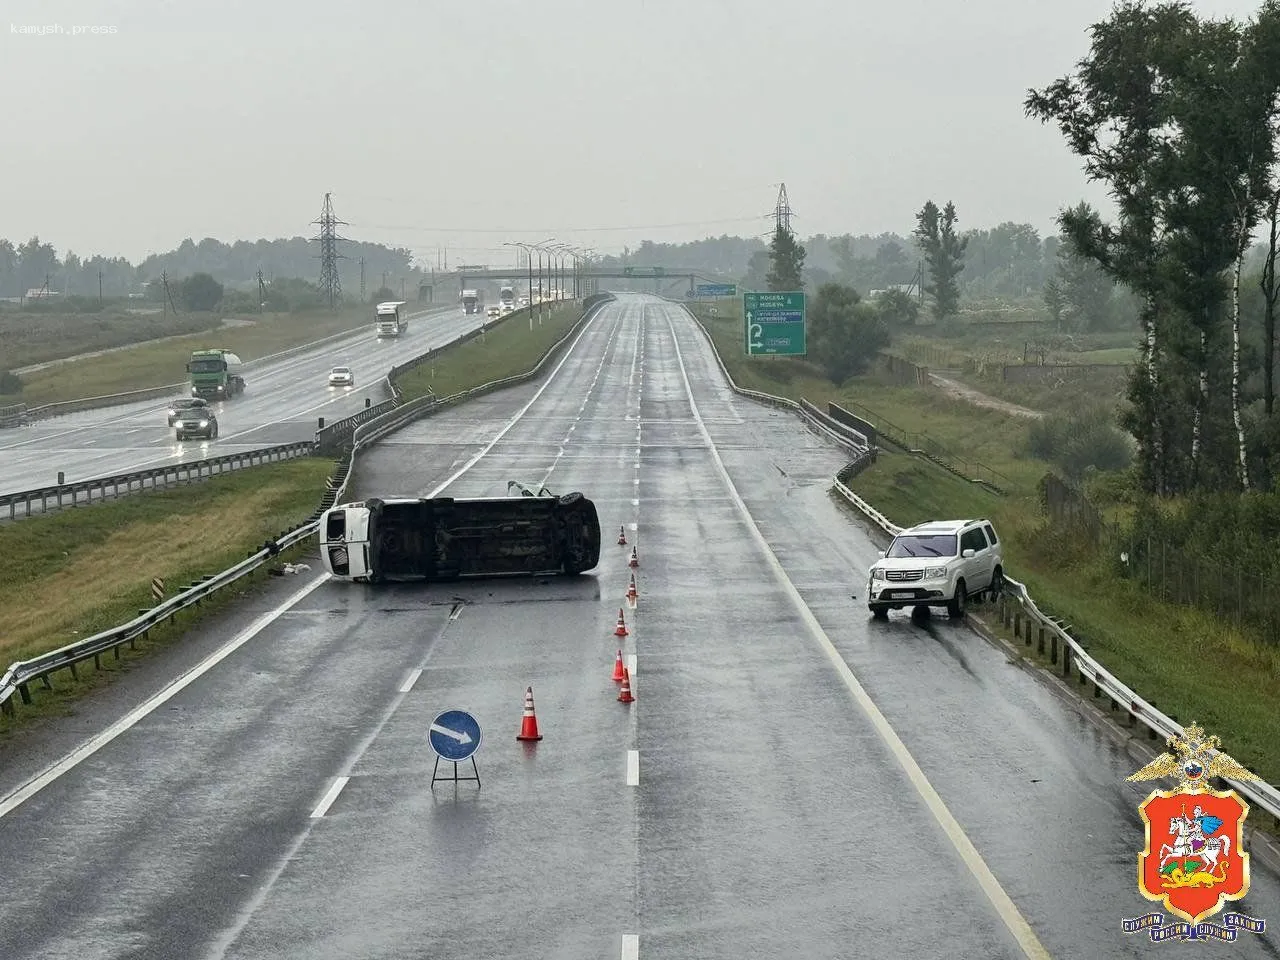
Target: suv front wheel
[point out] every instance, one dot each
(956, 606)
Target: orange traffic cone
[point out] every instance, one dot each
(624, 695)
(622, 536)
(618, 669)
(635, 560)
(632, 594)
(529, 725)
(621, 629)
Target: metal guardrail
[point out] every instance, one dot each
(25, 502)
(64, 407)
(18, 678)
(13, 415)
(20, 675)
(1063, 649)
(1018, 610)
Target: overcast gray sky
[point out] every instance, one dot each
(469, 122)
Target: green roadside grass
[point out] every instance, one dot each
(77, 572)
(508, 349)
(1191, 664)
(157, 364)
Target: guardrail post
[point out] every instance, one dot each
(1040, 644)
(1066, 661)
(24, 692)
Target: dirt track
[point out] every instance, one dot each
(962, 392)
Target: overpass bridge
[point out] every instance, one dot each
(464, 279)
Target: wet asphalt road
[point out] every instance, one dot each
(769, 815)
(282, 403)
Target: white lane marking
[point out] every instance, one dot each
(327, 800)
(630, 946)
(1000, 900)
(410, 681)
(89, 748)
(634, 527)
(270, 370)
(633, 768)
(631, 664)
(520, 413)
(636, 503)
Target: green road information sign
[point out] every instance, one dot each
(775, 324)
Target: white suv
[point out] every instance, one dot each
(934, 564)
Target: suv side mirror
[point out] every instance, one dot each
(966, 554)
(880, 553)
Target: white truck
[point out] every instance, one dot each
(389, 318)
(472, 302)
(507, 298)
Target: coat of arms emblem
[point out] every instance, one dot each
(1194, 862)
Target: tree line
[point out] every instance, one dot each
(35, 265)
(1177, 116)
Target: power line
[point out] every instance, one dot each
(507, 231)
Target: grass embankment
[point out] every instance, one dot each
(79, 571)
(157, 364)
(1190, 663)
(40, 335)
(508, 349)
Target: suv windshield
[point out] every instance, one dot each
(187, 404)
(923, 545)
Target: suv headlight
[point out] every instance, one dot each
(877, 573)
(204, 423)
(932, 573)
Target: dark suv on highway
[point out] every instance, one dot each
(186, 405)
(198, 422)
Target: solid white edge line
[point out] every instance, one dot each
(633, 768)
(92, 746)
(410, 680)
(25, 792)
(1000, 900)
(522, 411)
(331, 795)
(631, 664)
(630, 946)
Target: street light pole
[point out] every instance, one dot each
(542, 299)
(528, 263)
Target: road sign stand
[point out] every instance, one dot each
(455, 737)
(455, 778)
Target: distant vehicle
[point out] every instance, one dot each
(494, 312)
(937, 563)
(472, 301)
(186, 405)
(197, 422)
(342, 377)
(399, 538)
(215, 374)
(389, 318)
(507, 298)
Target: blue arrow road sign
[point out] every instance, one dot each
(454, 735)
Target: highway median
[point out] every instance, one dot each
(507, 349)
(1146, 642)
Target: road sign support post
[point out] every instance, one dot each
(455, 778)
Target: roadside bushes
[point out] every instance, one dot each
(1081, 442)
(10, 384)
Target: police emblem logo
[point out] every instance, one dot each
(1194, 861)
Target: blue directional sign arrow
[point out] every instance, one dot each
(454, 735)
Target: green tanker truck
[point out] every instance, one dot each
(215, 374)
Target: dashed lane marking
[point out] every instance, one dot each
(633, 768)
(1004, 906)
